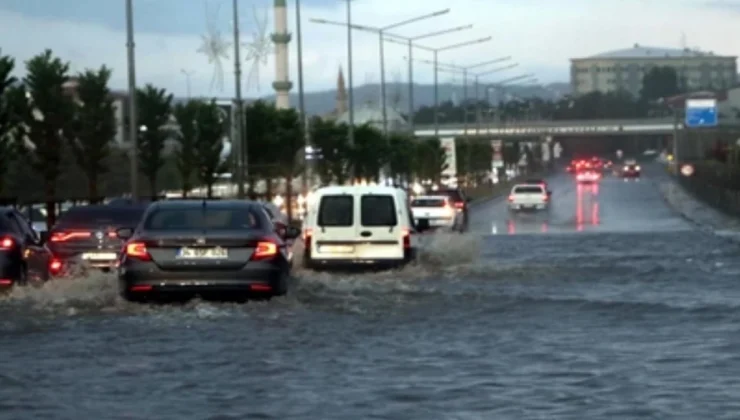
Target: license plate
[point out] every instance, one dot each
(203, 253)
(337, 249)
(99, 256)
(440, 222)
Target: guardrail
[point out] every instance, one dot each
(721, 198)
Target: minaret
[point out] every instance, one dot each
(341, 94)
(281, 38)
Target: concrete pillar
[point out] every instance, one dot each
(281, 39)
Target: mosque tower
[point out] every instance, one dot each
(341, 94)
(281, 39)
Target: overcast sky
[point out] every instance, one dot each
(539, 34)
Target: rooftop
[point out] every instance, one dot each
(640, 51)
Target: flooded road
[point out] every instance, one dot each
(632, 314)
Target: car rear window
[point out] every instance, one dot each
(378, 210)
(101, 215)
(336, 210)
(185, 219)
(528, 190)
(454, 195)
(428, 202)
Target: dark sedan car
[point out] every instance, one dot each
(86, 235)
(225, 248)
(23, 258)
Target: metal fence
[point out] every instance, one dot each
(724, 199)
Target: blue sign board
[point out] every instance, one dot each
(701, 113)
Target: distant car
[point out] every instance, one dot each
(588, 177)
(540, 182)
(23, 256)
(208, 248)
(528, 197)
(631, 170)
(86, 235)
(459, 201)
(437, 211)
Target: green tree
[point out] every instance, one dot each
(263, 150)
(209, 134)
(186, 155)
(431, 159)
(331, 140)
(401, 157)
(660, 82)
(8, 117)
(154, 111)
(48, 114)
(290, 141)
(370, 152)
(95, 127)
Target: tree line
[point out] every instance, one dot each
(659, 82)
(57, 132)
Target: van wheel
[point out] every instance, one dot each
(306, 263)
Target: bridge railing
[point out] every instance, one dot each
(724, 197)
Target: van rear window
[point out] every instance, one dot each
(336, 210)
(378, 210)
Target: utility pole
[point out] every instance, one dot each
(307, 167)
(241, 150)
(133, 123)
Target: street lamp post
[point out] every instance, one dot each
(382, 31)
(187, 79)
(436, 52)
(241, 149)
(307, 169)
(351, 128)
(132, 120)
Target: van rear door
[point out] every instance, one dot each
(379, 232)
(335, 231)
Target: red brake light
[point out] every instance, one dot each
(459, 204)
(6, 244)
(511, 197)
(138, 250)
(406, 235)
(55, 266)
(65, 236)
(265, 250)
(545, 197)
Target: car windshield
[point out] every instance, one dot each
(197, 218)
(85, 216)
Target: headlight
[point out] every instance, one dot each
(637, 168)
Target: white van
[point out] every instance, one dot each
(359, 226)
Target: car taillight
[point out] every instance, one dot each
(138, 250)
(406, 235)
(55, 266)
(545, 197)
(265, 250)
(66, 236)
(511, 197)
(6, 244)
(459, 204)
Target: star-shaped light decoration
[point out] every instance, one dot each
(258, 49)
(216, 48)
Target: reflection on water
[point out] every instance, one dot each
(587, 203)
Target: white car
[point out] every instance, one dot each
(436, 211)
(528, 197)
(359, 226)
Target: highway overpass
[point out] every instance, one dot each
(574, 128)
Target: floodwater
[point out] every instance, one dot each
(607, 306)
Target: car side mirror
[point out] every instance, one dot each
(125, 233)
(292, 232)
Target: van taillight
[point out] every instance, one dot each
(307, 234)
(406, 234)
